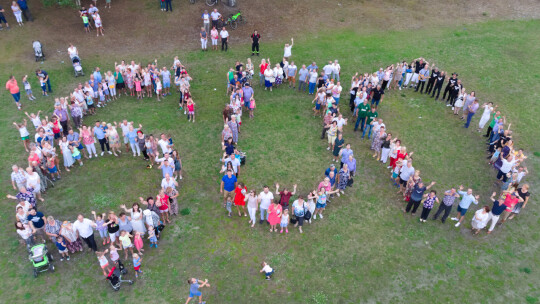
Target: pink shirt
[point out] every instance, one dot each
(12, 86)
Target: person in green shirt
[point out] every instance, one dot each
(363, 110)
(86, 24)
(496, 117)
(370, 117)
(119, 79)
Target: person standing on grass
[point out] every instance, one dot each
(371, 116)
(168, 5)
(405, 173)
(480, 219)
(228, 184)
(452, 81)
(84, 228)
(496, 211)
(446, 206)
(206, 21)
(510, 201)
(416, 197)
(13, 88)
(285, 196)
(194, 286)
(274, 215)
(472, 110)
(214, 35)
(432, 79)
(291, 74)
(422, 78)
(215, 15)
(43, 74)
(438, 85)
(303, 74)
(362, 110)
(255, 40)
(25, 10)
(224, 39)
(467, 199)
(429, 201)
(264, 199)
(204, 39)
(3, 19)
(287, 50)
(300, 207)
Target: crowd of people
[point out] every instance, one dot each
(366, 95)
(65, 129)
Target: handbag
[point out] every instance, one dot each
(350, 182)
(307, 214)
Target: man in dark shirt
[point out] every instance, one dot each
(25, 10)
(45, 76)
(431, 82)
(3, 19)
(448, 89)
(454, 92)
(377, 95)
(255, 38)
(438, 85)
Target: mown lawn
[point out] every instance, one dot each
(364, 250)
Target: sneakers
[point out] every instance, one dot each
(109, 152)
(457, 225)
(102, 153)
(328, 148)
(95, 155)
(61, 259)
(314, 217)
(286, 230)
(454, 219)
(453, 110)
(320, 214)
(67, 258)
(134, 155)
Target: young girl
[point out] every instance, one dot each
(28, 88)
(284, 221)
(162, 201)
(76, 154)
(111, 82)
(105, 89)
(113, 254)
(147, 83)
(23, 132)
(138, 88)
(90, 103)
(102, 229)
(34, 118)
(395, 172)
(62, 248)
(252, 107)
(495, 156)
(137, 264)
(137, 240)
(228, 206)
(103, 262)
(42, 84)
(268, 271)
(321, 203)
(158, 88)
(191, 110)
(152, 236)
(126, 243)
(51, 166)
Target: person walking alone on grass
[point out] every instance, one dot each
(224, 39)
(13, 88)
(255, 39)
(194, 286)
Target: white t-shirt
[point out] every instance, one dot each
(72, 51)
(266, 199)
(267, 268)
(84, 228)
(336, 67)
(125, 128)
(287, 51)
(328, 69)
(336, 91)
(235, 163)
(164, 146)
(206, 18)
(23, 132)
(224, 34)
(340, 122)
(166, 184)
(215, 15)
(313, 76)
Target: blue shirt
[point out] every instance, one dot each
(166, 76)
(98, 132)
(312, 67)
(167, 170)
(466, 200)
(132, 136)
(228, 183)
(327, 172)
(248, 92)
(73, 137)
(60, 246)
(97, 77)
(345, 154)
(22, 4)
(498, 208)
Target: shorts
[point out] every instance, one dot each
(63, 251)
(227, 194)
(300, 221)
(52, 170)
(77, 157)
(104, 266)
(2, 19)
(91, 106)
(86, 25)
(394, 175)
(461, 210)
(283, 225)
(331, 139)
(57, 135)
(102, 233)
(113, 236)
(126, 247)
(166, 85)
(136, 268)
(16, 96)
(214, 41)
(197, 294)
(120, 86)
(153, 239)
(320, 206)
(191, 112)
(126, 140)
(28, 91)
(26, 137)
(291, 78)
(317, 106)
(402, 182)
(164, 210)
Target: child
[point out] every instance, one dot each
(28, 88)
(194, 286)
(395, 172)
(138, 242)
(158, 88)
(284, 221)
(76, 154)
(252, 107)
(191, 110)
(152, 236)
(228, 206)
(495, 156)
(42, 84)
(99, 223)
(34, 118)
(23, 132)
(62, 248)
(126, 243)
(85, 22)
(137, 264)
(51, 166)
(113, 253)
(90, 103)
(105, 89)
(101, 95)
(312, 196)
(321, 203)
(268, 271)
(103, 262)
(138, 88)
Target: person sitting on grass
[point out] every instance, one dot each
(268, 271)
(194, 285)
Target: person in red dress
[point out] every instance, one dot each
(239, 198)
(162, 201)
(274, 215)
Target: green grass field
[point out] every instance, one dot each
(364, 250)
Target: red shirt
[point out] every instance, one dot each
(12, 86)
(164, 200)
(510, 203)
(284, 199)
(263, 67)
(56, 127)
(239, 197)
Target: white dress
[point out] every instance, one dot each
(482, 220)
(33, 181)
(485, 116)
(66, 153)
(137, 222)
(459, 102)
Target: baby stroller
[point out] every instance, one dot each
(41, 259)
(38, 51)
(77, 68)
(115, 277)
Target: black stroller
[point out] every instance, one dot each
(77, 67)
(38, 50)
(115, 276)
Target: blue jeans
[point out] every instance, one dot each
(337, 100)
(469, 117)
(368, 130)
(376, 102)
(312, 87)
(363, 119)
(261, 79)
(263, 211)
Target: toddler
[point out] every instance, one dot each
(126, 243)
(268, 271)
(137, 264)
(284, 221)
(62, 248)
(102, 229)
(28, 88)
(138, 242)
(103, 262)
(152, 236)
(228, 206)
(42, 84)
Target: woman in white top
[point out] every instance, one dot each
(488, 108)
(137, 219)
(278, 74)
(287, 50)
(480, 219)
(72, 51)
(459, 101)
(252, 206)
(66, 153)
(33, 181)
(17, 12)
(249, 68)
(269, 78)
(26, 233)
